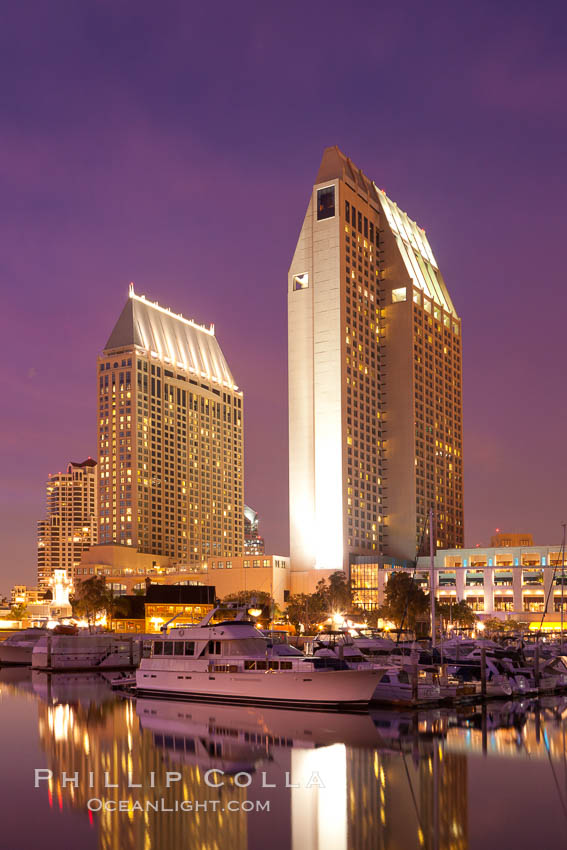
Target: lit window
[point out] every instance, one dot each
(399, 295)
(300, 281)
(325, 203)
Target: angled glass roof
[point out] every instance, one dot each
(416, 253)
(171, 338)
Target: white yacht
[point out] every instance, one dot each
(396, 687)
(226, 658)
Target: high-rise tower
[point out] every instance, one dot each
(375, 418)
(170, 438)
(69, 528)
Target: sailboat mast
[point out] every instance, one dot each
(562, 584)
(432, 577)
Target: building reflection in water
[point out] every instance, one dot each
(390, 779)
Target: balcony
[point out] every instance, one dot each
(474, 578)
(503, 578)
(532, 577)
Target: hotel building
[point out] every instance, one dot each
(375, 422)
(170, 438)
(509, 582)
(70, 527)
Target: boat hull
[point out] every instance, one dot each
(326, 689)
(14, 655)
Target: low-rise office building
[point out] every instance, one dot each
(508, 582)
(126, 571)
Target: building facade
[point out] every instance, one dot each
(22, 594)
(374, 342)
(502, 538)
(522, 583)
(170, 438)
(70, 526)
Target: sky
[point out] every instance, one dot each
(175, 145)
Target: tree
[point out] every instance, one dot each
(404, 600)
(254, 598)
(459, 613)
(336, 592)
(92, 599)
(495, 626)
(18, 612)
(306, 609)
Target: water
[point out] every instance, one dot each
(398, 780)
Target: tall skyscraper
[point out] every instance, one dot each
(375, 422)
(170, 438)
(70, 527)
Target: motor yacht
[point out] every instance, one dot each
(226, 658)
(398, 687)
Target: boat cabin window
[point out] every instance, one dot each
(214, 647)
(158, 647)
(168, 647)
(189, 647)
(403, 678)
(249, 664)
(178, 647)
(386, 678)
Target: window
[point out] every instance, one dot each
(158, 647)
(300, 281)
(189, 647)
(178, 647)
(347, 213)
(399, 295)
(168, 647)
(325, 203)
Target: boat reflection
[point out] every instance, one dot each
(385, 779)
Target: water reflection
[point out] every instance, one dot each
(333, 781)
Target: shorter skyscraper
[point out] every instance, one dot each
(253, 543)
(170, 431)
(70, 527)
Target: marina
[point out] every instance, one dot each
(227, 658)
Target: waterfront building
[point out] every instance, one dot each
(375, 399)
(22, 594)
(127, 571)
(170, 438)
(266, 573)
(70, 526)
(501, 538)
(188, 604)
(253, 543)
(508, 582)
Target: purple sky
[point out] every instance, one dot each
(175, 145)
